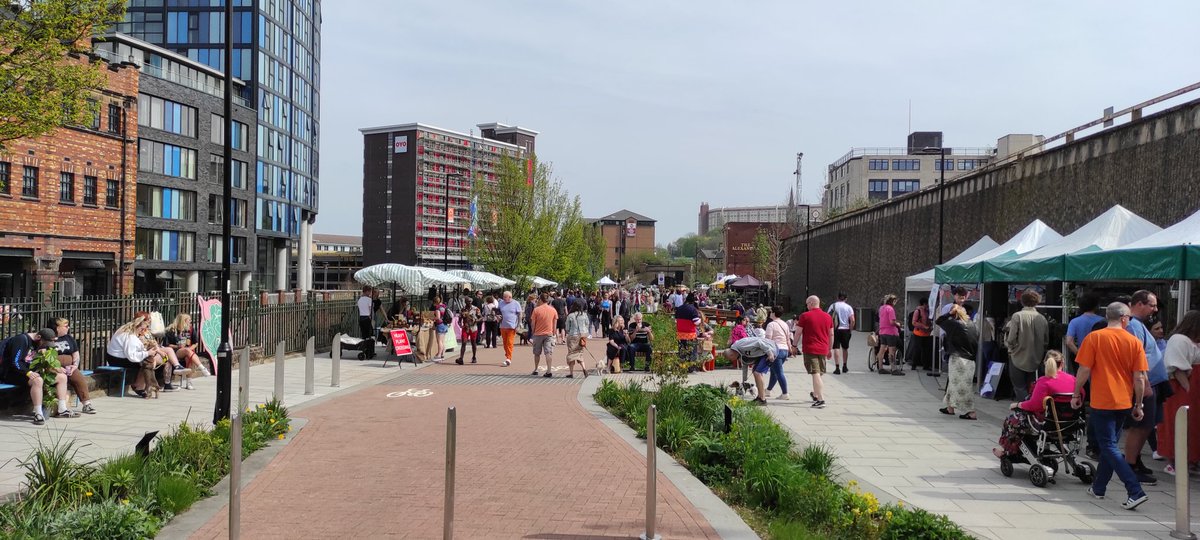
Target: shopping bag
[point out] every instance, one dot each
(991, 381)
(451, 341)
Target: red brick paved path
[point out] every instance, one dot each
(531, 464)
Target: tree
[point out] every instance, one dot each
(40, 88)
(770, 257)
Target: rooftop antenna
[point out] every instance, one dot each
(909, 117)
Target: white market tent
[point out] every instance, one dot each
(1033, 236)
(1114, 228)
(483, 280)
(1170, 254)
(412, 279)
(924, 281)
(539, 282)
(606, 282)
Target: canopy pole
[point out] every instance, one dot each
(981, 315)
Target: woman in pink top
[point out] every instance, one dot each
(889, 337)
(1054, 382)
(739, 330)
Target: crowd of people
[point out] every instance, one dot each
(153, 360)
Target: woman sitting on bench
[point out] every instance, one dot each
(128, 350)
(68, 356)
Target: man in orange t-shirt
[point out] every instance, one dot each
(544, 321)
(1115, 362)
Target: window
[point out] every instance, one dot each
(5, 177)
(900, 187)
(216, 171)
(906, 164)
(66, 187)
(29, 182)
(877, 190)
(937, 164)
(114, 118)
(156, 245)
(166, 203)
(112, 194)
(241, 133)
(237, 249)
(971, 164)
(878, 164)
(166, 115)
(237, 207)
(166, 159)
(89, 190)
(95, 108)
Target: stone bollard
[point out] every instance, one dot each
(280, 348)
(310, 367)
(244, 380)
(335, 378)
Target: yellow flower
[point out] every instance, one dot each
(853, 483)
(887, 516)
(124, 501)
(289, 428)
(272, 420)
(900, 504)
(247, 409)
(855, 511)
(260, 405)
(281, 436)
(88, 494)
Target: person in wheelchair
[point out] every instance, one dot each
(1016, 426)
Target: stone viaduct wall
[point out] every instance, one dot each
(1151, 166)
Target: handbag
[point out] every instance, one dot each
(872, 340)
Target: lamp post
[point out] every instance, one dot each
(942, 208)
(225, 350)
(446, 230)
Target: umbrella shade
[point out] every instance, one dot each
(924, 281)
(412, 279)
(483, 280)
(1116, 227)
(1033, 236)
(746, 281)
(1172, 253)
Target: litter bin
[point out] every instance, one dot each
(864, 319)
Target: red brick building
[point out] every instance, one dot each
(67, 199)
(739, 246)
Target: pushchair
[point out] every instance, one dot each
(365, 347)
(1052, 442)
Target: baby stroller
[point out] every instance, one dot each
(365, 347)
(1051, 442)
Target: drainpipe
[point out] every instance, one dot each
(124, 212)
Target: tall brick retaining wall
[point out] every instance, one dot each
(1151, 166)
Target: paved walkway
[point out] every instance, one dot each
(888, 433)
(121, 422)
(532, 463)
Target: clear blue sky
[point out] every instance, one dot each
(657, 106)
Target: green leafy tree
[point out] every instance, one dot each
(41, 86)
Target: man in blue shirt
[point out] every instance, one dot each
(1144, 304)
(1081, 326)
(510, 318)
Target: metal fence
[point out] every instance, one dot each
(256, 319)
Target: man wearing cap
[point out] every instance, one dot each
(757, 352)
(16, 354)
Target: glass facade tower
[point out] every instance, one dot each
(277, 50)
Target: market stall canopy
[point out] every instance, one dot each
(606, 281)
(746, 281)
(539, 282)
(1033, 236)
(1116, 227)
(924, 281)
(412, 279)
(483, 280)
(1172, 253)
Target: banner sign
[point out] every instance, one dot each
(400, 343)
(400, 144)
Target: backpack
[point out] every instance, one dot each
(447, 317)
(912, 316)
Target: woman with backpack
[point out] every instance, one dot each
(491, 321)
(444, 318)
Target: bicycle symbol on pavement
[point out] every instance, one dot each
(412, 392)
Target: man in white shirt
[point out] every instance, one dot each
(843, 330)
(364, 313)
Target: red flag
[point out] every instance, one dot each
(529, 172)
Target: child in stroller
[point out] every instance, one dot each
(1045, 431)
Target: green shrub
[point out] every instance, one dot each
(608, 394)
(764, 479)
(200, 454)
(675, 432)
(705, 406)
(634, 404)
(106, 520)
(782, 529)
(176, 493)
(908, 523)
(817, 459)
(668, 399)
(26, 519)
(118, 477)
(53, 478)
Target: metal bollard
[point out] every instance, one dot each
(335, 349)
(1183, 522)
(310, 367)
(279, 350)
(335, 378)
(651, 474)
(244, 380)
(451, 446)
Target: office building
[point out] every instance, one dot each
(180, 168)
(626, 235)
(277, 50)
(716, 218)
(335, 259)
(66, 199)
(865, 176)
(417, 182)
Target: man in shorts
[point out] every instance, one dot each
(16, 353)
(759, 352)
(560, 306)
(543, 323)
(843, 317)
(1143, 306)
(813, 334)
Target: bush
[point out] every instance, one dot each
(817, 459)
(675, 432)
(106, 520)
(53, 478)
(608, 394)
(916, 523)
(176, 493)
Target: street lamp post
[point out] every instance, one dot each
(942, 209)
(807, 249)
(225, 350)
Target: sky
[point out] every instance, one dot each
(657, 106)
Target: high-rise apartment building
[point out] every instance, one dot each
(417, 182)
(180, 168)
(865, 176)
(277, 50)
